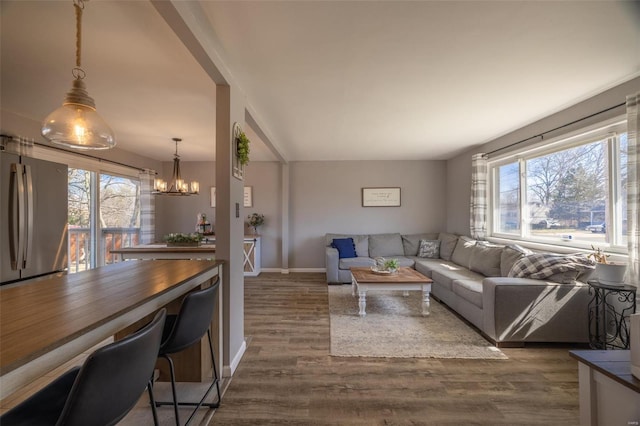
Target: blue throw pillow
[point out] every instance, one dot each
(346, 247)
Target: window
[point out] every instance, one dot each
(102, 222)
(568, 192)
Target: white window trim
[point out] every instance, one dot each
(602, 130)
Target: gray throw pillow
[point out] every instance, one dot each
(485, 259)
(510, 255)
(462, 252)
(447, 245)
(411, 242)
(429, 249)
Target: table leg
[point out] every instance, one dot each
(426, 305)
(362, 303)
(354, 285)
(405, 293)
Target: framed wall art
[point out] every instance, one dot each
(381, 197)
(248, 196)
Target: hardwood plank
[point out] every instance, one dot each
(288, 377)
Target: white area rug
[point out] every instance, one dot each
(394, 328)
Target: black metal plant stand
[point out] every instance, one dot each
(609, 311)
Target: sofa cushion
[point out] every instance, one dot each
(404, 261)
(445, 277)
(356, 262)
(510, 255)
(447, 245)
(485, 259)
(385, 245)
(426, 266)
(462, 252)
(411, 242)
(469, 290)
(361, 241)
(429, 249)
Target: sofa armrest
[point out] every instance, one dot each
(332, 260)
(524, 309)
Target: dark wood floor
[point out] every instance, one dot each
(288, 377)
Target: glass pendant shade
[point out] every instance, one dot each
(76, 124)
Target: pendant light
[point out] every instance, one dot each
(177, 185)
(76, 124)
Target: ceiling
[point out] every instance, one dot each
(328, 80)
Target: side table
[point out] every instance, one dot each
(609, 311)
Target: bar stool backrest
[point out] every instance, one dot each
(113, 377)
(193, 320)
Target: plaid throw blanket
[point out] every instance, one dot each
(543, 265)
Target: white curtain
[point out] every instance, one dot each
(478, 218)
(633, 189)
(147, 207)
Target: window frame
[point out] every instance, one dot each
(96, 167)
(608, 130)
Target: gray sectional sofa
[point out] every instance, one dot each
(472, 279)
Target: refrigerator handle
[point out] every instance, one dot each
(16, 220)
(29, 231)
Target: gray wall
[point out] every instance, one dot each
(265, 178)
(459, 167)
(326, 197)
(178, 214)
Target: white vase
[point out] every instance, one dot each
(611, 273)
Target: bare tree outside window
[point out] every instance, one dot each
(118, 217)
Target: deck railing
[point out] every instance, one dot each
(111, 239)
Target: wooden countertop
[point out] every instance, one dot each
(40, 316)
(615, 364)
(163, 248)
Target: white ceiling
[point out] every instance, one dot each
(329, 80)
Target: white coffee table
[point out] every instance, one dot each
(406, 279)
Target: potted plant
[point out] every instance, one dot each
(391, 265)
(242, 148)
(610, 273)
(183, 240)
(386, 265)
(255, 220)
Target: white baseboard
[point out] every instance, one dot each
(285, 271)
(308, 270)
(228, 370)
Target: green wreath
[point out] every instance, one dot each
(242, 150)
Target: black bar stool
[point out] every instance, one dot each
(185, 329)
(102, 391)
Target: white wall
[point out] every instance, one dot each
(459, 168)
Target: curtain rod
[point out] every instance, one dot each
(541, 135)
(82, 154)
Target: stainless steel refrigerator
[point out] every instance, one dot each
(33, 217)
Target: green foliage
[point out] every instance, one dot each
(183, 238)
(242, 150)
(391, 264)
